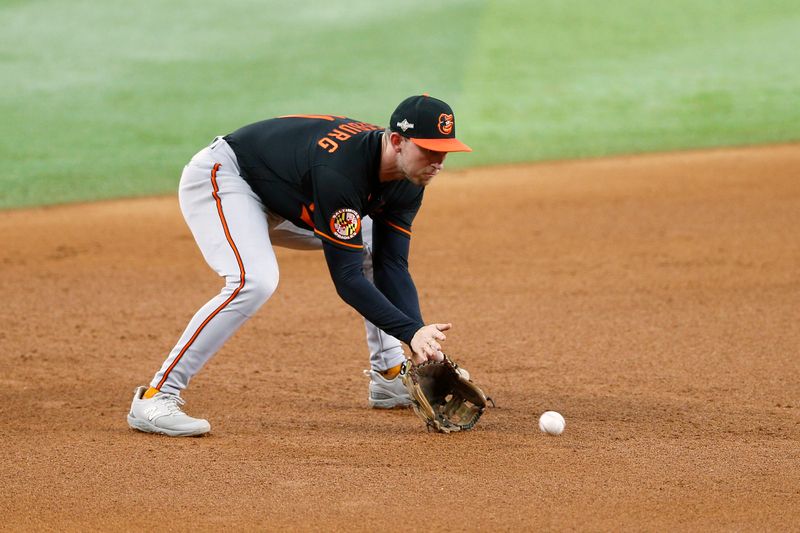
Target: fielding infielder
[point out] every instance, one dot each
(308, 182)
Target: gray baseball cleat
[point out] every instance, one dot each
(386, 393)
(162, 414)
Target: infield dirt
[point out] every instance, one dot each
(653, 300)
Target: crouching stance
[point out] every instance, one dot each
(308, 182)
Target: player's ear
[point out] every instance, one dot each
(395, 139)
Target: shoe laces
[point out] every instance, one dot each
(170, 403)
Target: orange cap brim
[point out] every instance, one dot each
(442, 145)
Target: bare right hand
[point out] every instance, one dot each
(425, 343)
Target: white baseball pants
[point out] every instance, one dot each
(236, 234)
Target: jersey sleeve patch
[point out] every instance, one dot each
(345, 224)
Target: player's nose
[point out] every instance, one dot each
(437, 158)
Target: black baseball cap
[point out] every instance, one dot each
(427, 122)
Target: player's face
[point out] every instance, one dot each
(419, 164)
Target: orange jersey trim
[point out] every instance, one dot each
(320, 117)
(354, 246)
(305, 216)
(398, 228)
(224, 304)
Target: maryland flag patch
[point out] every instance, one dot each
(345, 224)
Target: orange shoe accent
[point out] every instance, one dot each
(149, 393)
(391, 373)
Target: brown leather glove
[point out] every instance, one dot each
(442, 396)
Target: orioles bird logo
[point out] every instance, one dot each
(446, 124)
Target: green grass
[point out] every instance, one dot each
(108, 99)
(581, 78)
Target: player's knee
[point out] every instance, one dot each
(250, 291)
(259, 288)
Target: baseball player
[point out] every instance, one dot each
(308, 182)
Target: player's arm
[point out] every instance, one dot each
(346, 271)
(391, 243)
(391, 246)
(337, 224)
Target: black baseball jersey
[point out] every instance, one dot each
(321, 173)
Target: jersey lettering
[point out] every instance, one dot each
(342, 133)
(339, 135)
(328, 144)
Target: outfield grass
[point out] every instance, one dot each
(107, 99)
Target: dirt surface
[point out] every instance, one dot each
(654, 301)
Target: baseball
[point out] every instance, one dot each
(552, 423)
